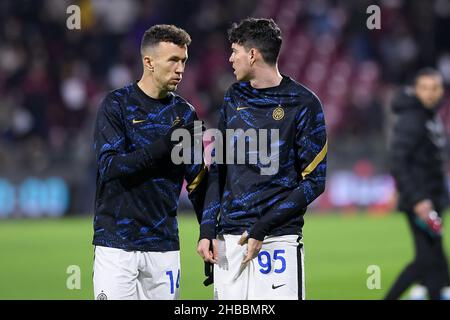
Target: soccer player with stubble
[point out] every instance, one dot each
(135, 226)
(255, 221)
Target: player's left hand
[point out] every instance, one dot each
(253, 247)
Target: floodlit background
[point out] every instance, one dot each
(52, 80)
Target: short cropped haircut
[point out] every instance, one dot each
(260, 33)
(426, 72)
(165, 33)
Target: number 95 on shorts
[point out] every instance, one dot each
(276, 273)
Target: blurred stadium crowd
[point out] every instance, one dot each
(52, 78)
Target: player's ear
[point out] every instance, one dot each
(148, 63)
(252, 56)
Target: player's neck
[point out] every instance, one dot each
(148, 86)
(266, 77)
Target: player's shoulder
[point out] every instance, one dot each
(114, 99)
(182, 102)
(302, 92)
(306, 100)
(227, 96)
(121, 93)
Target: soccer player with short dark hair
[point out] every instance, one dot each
(138, 186)
(417, 160)
(255, 220)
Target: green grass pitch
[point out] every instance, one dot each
(35, 255)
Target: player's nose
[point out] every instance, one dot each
(179, 71)
(180, 68)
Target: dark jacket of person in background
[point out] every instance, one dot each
(417, 153)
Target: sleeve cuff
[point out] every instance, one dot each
(257, 233)
(207, 232)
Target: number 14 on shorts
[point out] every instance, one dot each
(173, 284)
(265, 261)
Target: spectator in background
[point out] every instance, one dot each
(417, 163)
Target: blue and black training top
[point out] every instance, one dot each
(239, 198)
(137, 199)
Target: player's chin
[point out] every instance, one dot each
(172, 87)
(240, 77)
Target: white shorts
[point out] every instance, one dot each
(136, 275)
(276, 274)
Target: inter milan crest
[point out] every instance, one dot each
(102, 296)
(278, 113)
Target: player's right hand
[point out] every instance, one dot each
(178, 123)
(163, 146)
(207, 251)
(253, 247)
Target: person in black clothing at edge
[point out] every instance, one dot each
(417, 159)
